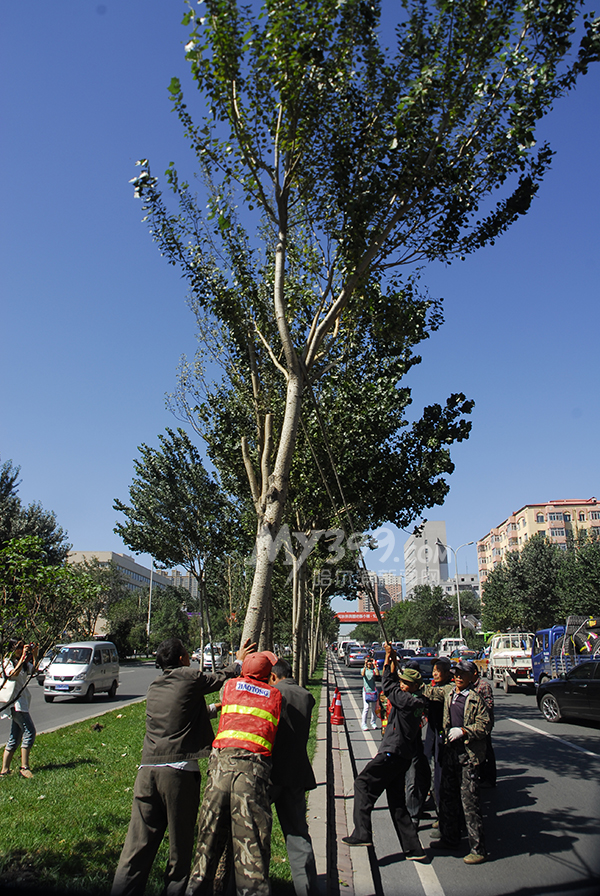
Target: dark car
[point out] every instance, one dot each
(406, 651)
(379, 657)
(427, 651)
(425, 664)
(575, 695)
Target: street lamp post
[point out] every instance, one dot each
(455, 552)
(149, 606)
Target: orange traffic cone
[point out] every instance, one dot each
(337, 718)
(335, 696)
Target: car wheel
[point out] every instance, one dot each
(49, 698)
(90, 694)
(550, 708)
(112, 691)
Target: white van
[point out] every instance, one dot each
(447, 645)
(219, 653)
(413, 644)
(81, 670)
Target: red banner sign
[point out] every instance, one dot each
(356, 617)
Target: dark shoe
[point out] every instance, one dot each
(356, 841)
(474, 859)
(415, 855)
(443, 844)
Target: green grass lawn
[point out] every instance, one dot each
(65, 827)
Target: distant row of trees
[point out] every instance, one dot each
(430, 614)
(542, 584)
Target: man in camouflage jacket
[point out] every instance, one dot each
(466, 722)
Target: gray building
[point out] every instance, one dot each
(426, 557)
(136, 575)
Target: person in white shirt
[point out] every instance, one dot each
(22, 729)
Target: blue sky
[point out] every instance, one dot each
(94, 321)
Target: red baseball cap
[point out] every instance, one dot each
(258, 665)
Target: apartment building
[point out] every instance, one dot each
(557, 520)
(388, 591)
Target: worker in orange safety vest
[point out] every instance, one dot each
(236, 809)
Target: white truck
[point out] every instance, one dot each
(510, 660)
(448, 645)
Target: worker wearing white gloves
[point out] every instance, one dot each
(465, 726)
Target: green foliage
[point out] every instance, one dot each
(366, 632)
(128, 619)
(522, 591)
(110, 587)
(39, 602)
(178, 514)
(18, 522)
(578, 584)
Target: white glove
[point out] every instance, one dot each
(455, 734)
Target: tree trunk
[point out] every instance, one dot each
(269, 521)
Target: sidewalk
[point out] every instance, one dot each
(340, 869)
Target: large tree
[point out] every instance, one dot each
(355, 160)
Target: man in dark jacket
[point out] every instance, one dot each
(167, 787)
(292, 776)
(387, 770)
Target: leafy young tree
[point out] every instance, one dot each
(356, 160)
(178, 514)
(110, 588)
(40, 602)
(18, 521)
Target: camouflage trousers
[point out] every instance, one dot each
(459, 798)
(235, 818)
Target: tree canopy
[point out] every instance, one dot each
(329, 164)
(541, 585)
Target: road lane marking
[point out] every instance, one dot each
(426, 872)
(555, 737)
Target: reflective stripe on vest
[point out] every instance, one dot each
(251, 711)
(244, 735)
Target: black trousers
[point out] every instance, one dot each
(384, 772)
(163, 798)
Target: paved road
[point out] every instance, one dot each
(541, 820)
(134, 681)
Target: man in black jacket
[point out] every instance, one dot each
(387, 770)
(292, 776)
(167, 787)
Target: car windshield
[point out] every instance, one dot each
(79, 655)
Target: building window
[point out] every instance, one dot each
(567, 517)
(557, 533)
(539, 518)
(595, 530)
(582, 517)
(595, 514)
(555, 517)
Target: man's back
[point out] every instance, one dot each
(291, 766)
